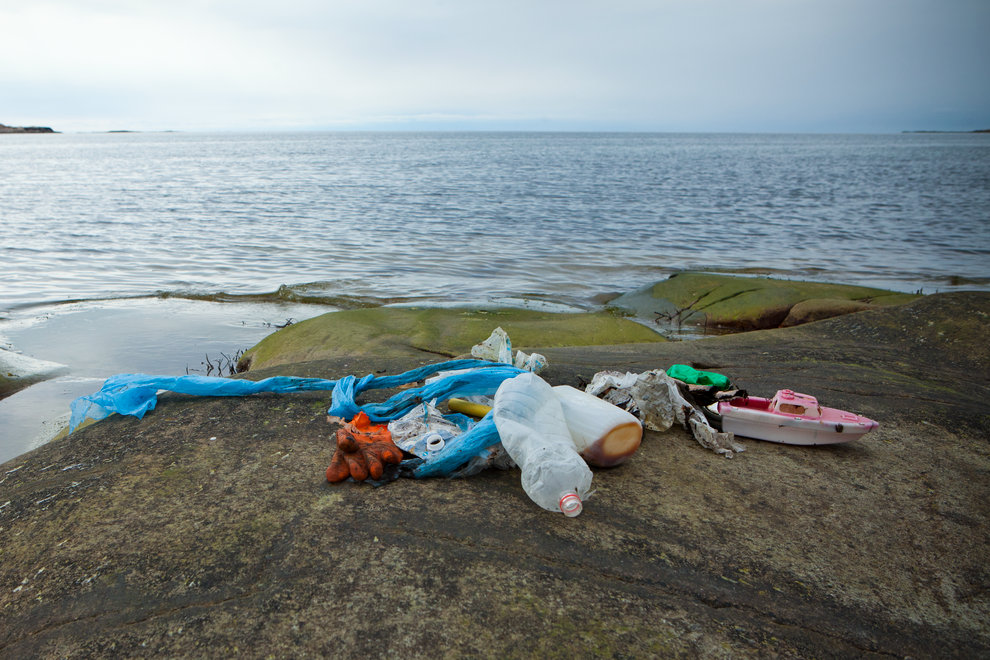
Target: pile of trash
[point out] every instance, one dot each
(501, 415)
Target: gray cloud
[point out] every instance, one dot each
(747, 65)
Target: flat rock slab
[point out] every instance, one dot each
(207, 529)
(384, 332)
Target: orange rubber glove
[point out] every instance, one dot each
(362, 450)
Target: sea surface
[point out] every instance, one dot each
(163, 252)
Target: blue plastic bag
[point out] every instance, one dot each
(137, 394)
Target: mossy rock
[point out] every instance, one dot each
(397, 332)
(749, 303)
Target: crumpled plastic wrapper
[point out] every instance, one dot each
(414, 431)
(498, 348)
(417, 433)
(530, 362)
(708, 437)
(654, 397)
(493, 457)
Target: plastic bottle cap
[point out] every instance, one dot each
(570, 504)
(435, 442)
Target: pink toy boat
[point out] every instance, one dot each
(792, 419)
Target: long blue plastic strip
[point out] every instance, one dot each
(136, 394)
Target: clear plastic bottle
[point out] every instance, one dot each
(531, 425)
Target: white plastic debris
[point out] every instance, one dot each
(604, 434)
(498, 348)
(655, 398)
(422, 430)
(533, 362)
(531, 423)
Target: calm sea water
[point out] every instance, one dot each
(449, 216)
(148, 233)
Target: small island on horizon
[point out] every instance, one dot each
(25, 129)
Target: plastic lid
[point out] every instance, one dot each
(434, 442)
(570, 504)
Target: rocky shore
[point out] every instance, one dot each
(207, 528)
(19, 371)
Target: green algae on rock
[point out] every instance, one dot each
(750, 303)
(415, 332)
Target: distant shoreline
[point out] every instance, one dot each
(979, 130)
(26, 129)
(46, 129)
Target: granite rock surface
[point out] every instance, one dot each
(207, 528)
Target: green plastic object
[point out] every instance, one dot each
(692, 376)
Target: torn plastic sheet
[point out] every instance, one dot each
(656, 399)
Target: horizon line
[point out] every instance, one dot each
(461, 129)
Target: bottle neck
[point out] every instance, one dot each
(570, 504)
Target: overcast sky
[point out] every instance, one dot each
(657, 65)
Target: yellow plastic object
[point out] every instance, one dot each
(468, 408)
